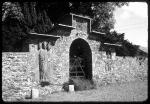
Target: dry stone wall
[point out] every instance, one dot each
(20, 71)
(121, 70)
(16, 75)
(59, 55)
(119, 67)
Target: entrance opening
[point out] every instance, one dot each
(80, 60)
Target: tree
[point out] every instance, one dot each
(114, 37)
(11, 10)
(101, 12)
(39, 16)
(127, 48)
(133, 49)
(30, 13)
(35, 18)
(18, 19)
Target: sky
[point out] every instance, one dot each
(133, 21)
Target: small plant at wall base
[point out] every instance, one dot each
(79, 84)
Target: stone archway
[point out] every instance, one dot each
(80, 59)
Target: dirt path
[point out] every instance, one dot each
(131, 91)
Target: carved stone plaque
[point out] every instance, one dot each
(80, 24)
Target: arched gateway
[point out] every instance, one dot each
(80, 59)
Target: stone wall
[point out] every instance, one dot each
(59, 55)
(101, 66)
(119, 70)
(17, 75)
(20, 71)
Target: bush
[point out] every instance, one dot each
(79, 84)
(44, 83)
(66, 86)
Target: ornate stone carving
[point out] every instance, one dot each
(43, 59)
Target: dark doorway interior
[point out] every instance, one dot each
(80, 59)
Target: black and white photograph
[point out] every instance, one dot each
(71, 51)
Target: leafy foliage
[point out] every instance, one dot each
(13, 35)
(12, 10)
(101, 12)
(127, 48)
(35, 18)
(39, 16)
(79, 84)
(18, 20)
